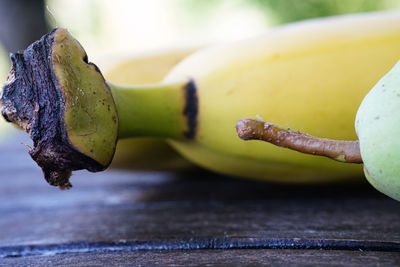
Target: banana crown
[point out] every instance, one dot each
(63, 102)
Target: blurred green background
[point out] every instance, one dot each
(112, 30)
(119, 27)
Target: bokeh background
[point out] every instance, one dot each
(115, 30)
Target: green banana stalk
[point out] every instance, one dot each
(147, 153)
(308, 75)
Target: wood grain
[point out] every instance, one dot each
(252, 257)
(188, 211)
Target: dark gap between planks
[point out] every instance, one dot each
(196, 244)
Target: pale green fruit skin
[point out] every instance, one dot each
(378, 129)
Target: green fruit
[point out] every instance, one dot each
(378, 129)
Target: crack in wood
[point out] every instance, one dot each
(197, 244)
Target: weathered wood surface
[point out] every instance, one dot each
(244, 257)
(147, 218)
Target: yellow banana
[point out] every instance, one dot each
(147, 153)
(310, 76)
(377, 126)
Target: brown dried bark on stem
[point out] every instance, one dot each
(343, 151)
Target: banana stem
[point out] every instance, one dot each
(151, 110)
(343, 151)
(75, 118)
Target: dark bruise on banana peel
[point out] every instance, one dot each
(63, 102)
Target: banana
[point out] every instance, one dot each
(310, 76)
(4, 130)
(377, 127)
(147, 153)
(147, 68)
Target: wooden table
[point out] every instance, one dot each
(147, 218)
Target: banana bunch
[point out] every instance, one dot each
(147, 153)
(310, 76)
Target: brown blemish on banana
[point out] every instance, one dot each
(343, 151)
